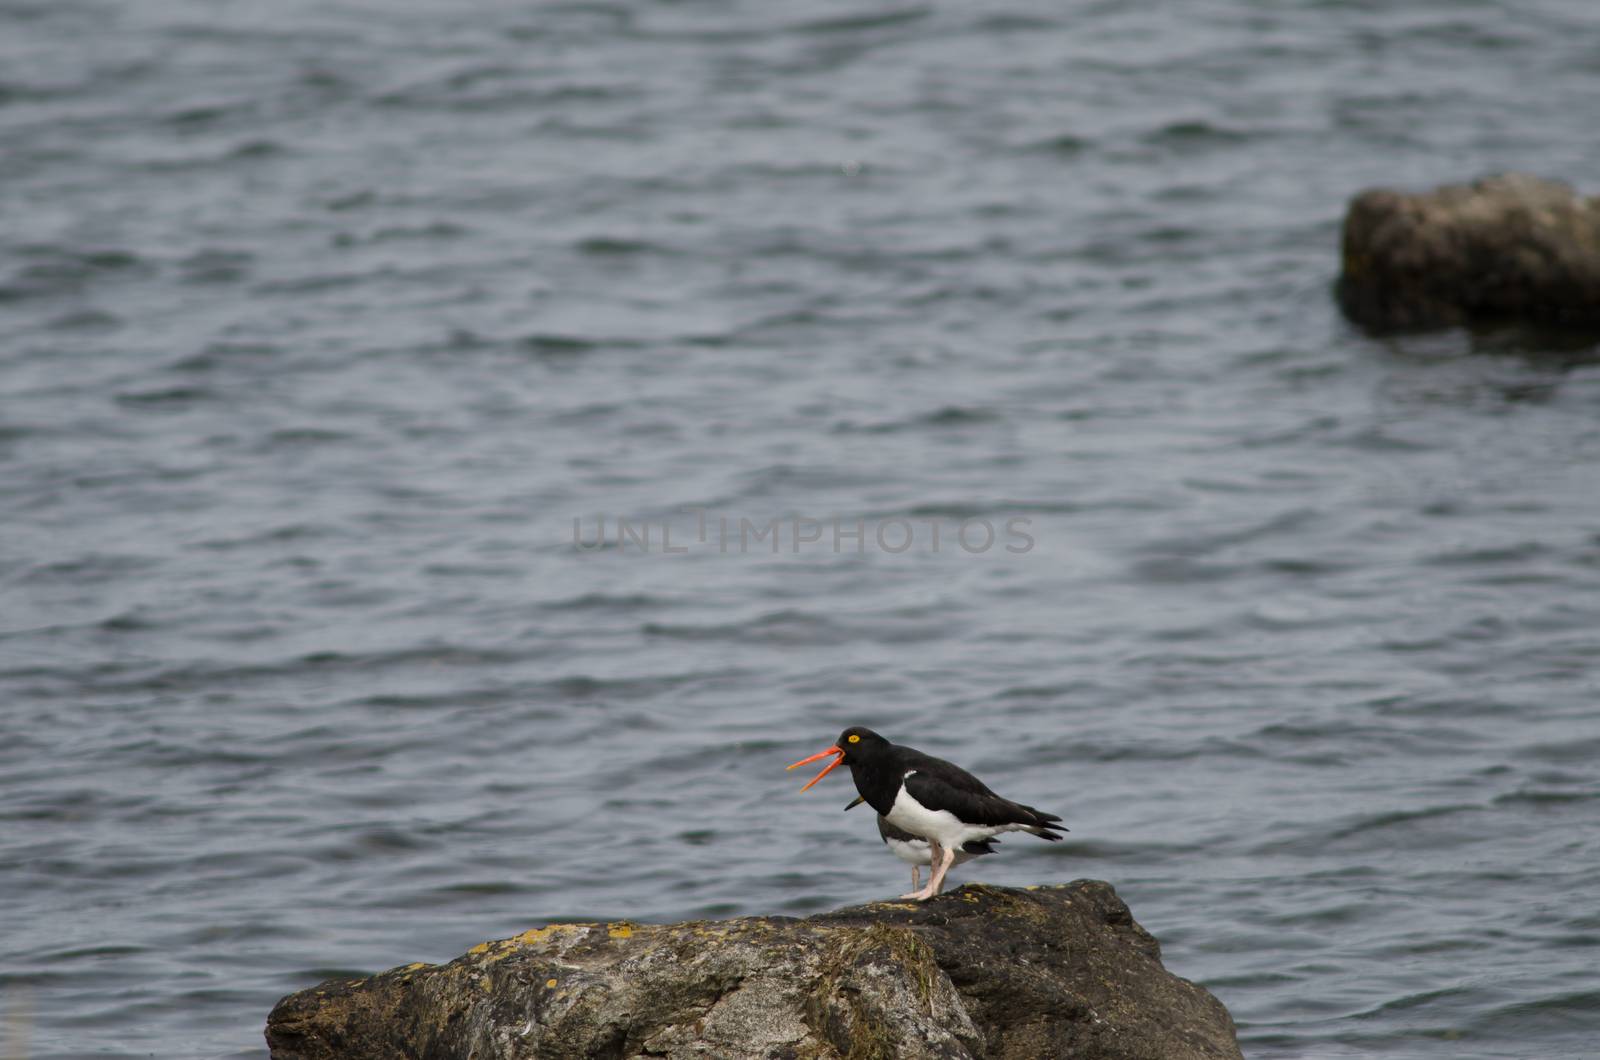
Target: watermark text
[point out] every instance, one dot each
(727, 534)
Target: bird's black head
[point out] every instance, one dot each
(860, 745)
(857, 747)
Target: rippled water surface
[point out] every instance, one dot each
(323, 322)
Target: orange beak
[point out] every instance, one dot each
(825, 772)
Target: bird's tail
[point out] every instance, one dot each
(1045, 825)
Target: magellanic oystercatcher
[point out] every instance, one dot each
(929, 797)
(916, 852)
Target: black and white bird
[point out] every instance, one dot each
(929, 798)
(916, 852)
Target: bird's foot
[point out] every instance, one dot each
(920, 896)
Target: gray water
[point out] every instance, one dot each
(323, 321)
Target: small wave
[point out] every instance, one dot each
(625, 602)
(218, 355)
(166, 397)
(484, 889)
(1569, 1012)
(554, 345)
(133, 621)
(1577, 750)
(1381, 440)
(316, 284)
(285, 533)
(1416, 945)
(867, 21)
(947, 416)
(428, 232)
(89, 568)
(619, 246)
(1399, 819)
(1047, 692)
(297, 437)
(60, 271)
(490, 89)
(1198, 133)
(253, 149)
(1467, 557)
(198, 115)
(86, 320)
(155, 675)
(1147, 749)
(1107, 850)
(216, 265)
(526, 697)
(92, 952)
(779, 627)
(1181, 570)
(1545, 798)
(1418, 1000)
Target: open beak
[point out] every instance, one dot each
(825, 772)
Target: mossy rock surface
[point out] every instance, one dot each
(1512, 249)
(1060, 971)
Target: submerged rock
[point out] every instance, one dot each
(1509, 249)
(1060, 972)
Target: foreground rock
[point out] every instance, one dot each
(1060, 972)
(1508, 249)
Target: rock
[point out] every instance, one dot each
(1060, 972)
(1509, 249)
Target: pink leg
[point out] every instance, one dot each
(916, 878)
(936, 852)
(942, 867)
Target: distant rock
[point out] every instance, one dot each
(1060, 972)
(1509, 249)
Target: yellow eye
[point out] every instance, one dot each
(854, 738)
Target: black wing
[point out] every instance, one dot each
(948, 772)
(941, 785)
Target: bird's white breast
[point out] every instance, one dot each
(911, 816)
(916, 852)
(910, 851)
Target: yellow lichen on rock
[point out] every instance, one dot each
(534, 936)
